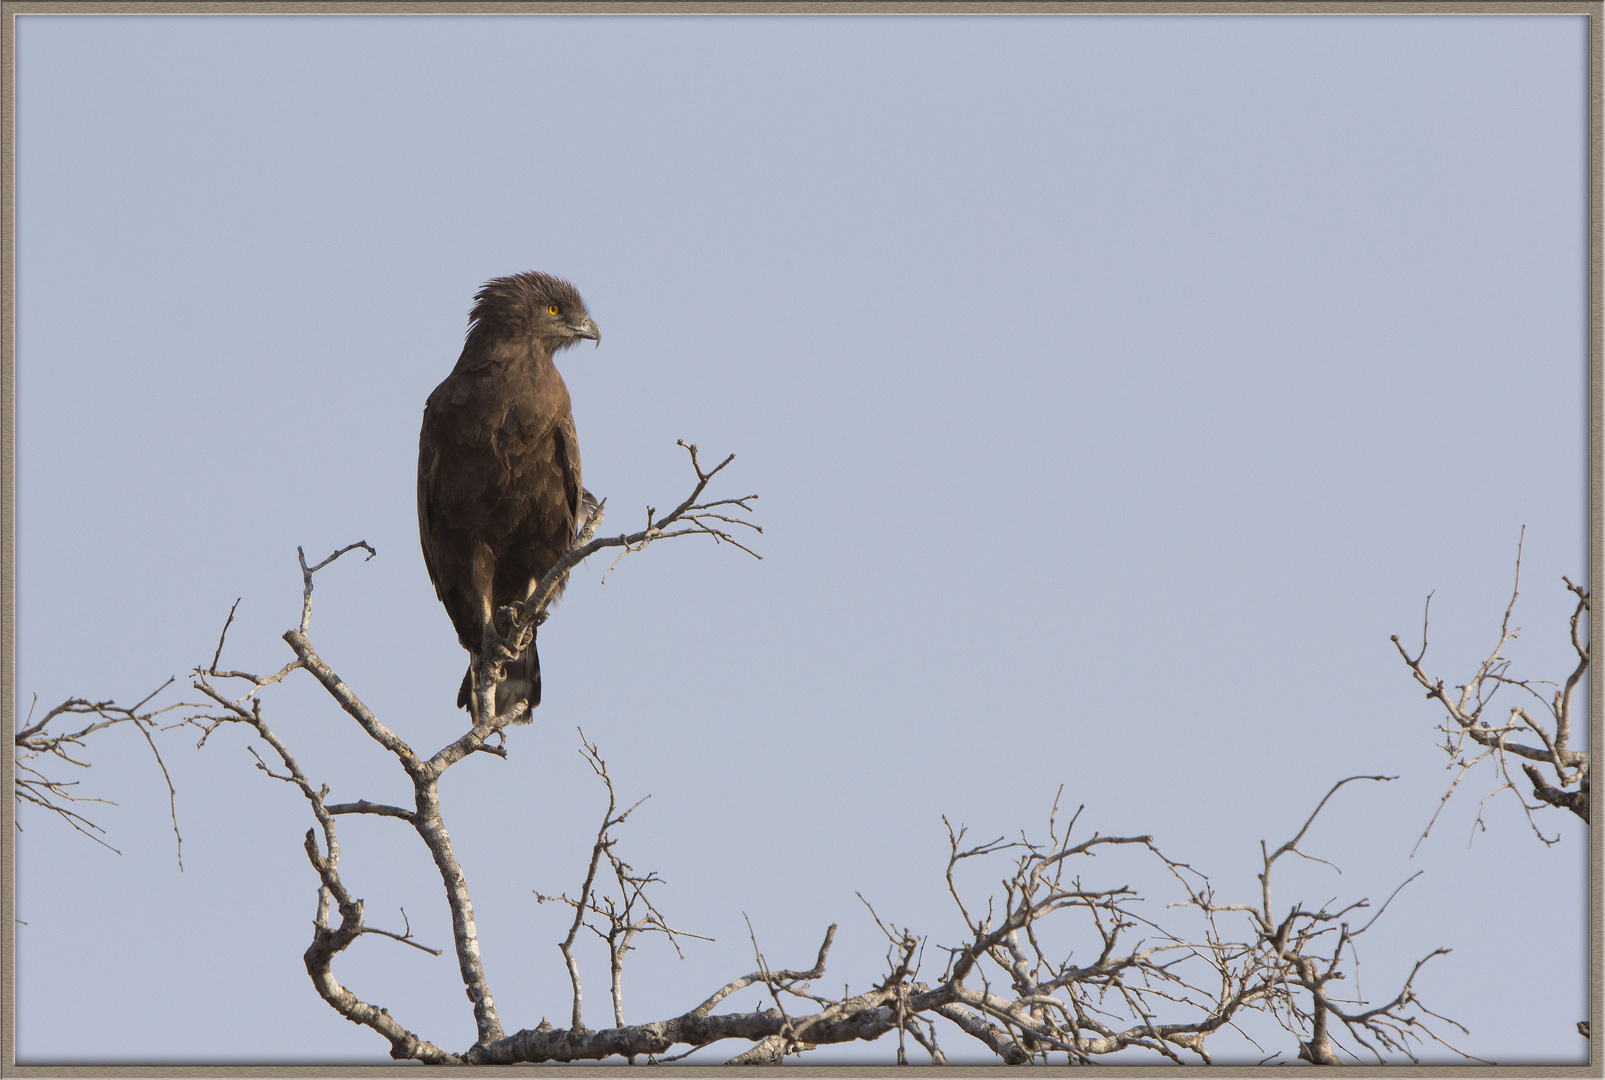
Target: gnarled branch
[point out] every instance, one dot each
(1567, 784)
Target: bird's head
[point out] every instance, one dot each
(533, 305)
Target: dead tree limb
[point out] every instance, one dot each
(36, 742)
(697, 518)
(1127, 984)
(1022, 1004)
(1549, 721)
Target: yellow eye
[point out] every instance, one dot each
(552, 311)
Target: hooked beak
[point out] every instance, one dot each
(586, 328)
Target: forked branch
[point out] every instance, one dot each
(1128, 983)
(1558, 774)
(36, 743)
(1022, 1004)
(634, 913)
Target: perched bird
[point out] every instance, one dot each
(499, 491)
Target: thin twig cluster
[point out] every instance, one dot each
(1007, 989)
(36, 744)
(1566, 782)
(617, 920)
(1286, 965)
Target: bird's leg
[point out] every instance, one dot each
(499, 647)
(492, 652)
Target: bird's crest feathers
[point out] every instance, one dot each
(511, 303)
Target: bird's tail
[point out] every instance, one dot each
(523, 683)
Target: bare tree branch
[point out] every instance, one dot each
(632, 914)
(1129, 984)
(617, 920)
(1566, 785)
(425, 819)
(1052, 1007)
(35, 742)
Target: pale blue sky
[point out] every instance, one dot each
(1114, 387)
